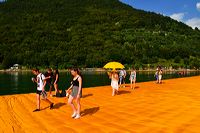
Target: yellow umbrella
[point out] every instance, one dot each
(114, 65)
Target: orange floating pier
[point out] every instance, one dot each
(171, 107)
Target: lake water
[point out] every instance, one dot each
(20, 82)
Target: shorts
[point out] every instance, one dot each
(43, 93)
(156, 77)
(132, 80)
(75, 91)
(50, 83)
(56, 82)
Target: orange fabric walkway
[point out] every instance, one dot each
(173, 106)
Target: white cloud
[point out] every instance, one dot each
(178, 16)
(194, 22)
(198, 6)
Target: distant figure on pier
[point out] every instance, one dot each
(122, 77)
(133, 78)
(114, 82)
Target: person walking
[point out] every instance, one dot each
(49, 79)
(114, 82)
(56, 80)
(122, 76)
(41, 83)
(160, 76)
(133, 78)
(156, 75)
(76, 94)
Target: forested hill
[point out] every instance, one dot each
(89, 33)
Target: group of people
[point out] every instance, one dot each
(51, 79)
(158, 75)
(118, 79)
(74, 92)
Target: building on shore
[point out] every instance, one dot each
(15, 67)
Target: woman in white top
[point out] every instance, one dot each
(133, 78)
(114, 82)
(160, 76)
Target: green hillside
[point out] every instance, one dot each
(89, 33)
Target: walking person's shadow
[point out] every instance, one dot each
(58, 105)
(90, 111)
(121, 92)
(87, 95)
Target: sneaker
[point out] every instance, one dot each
(74, 115)
(36, 110)
(77, 116)
(51, 105)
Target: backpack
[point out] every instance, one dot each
(63, 93)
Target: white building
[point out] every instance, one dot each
(15, 67)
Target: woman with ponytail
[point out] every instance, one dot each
(76, 94)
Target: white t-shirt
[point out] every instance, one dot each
(40, 81)
(122, 73)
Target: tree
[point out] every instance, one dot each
(177, 59)
(8, 61)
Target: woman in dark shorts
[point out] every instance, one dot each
(56, 80)
(76, 93)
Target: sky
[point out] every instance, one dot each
(186, 11)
